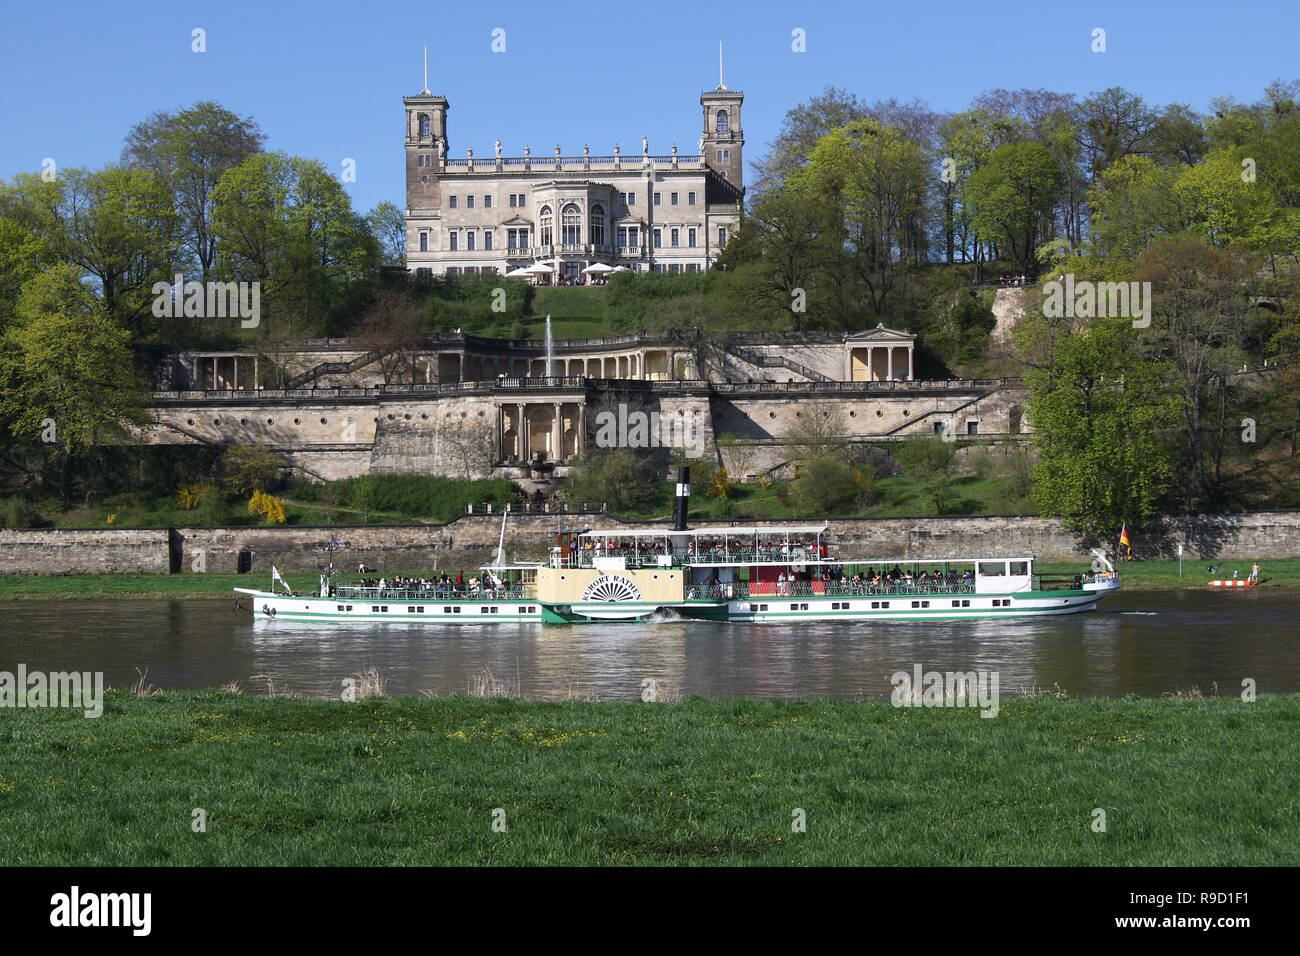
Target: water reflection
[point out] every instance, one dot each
(1152, 643)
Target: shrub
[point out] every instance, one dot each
(269, 507)
(19, 513)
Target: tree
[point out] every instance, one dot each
(388, 227)
(69, 381)
(189, 151)
(803, 127)
(1133, 204)
(818, 433)
(286, 223)
(119, 226)
(249, 468)
(879, 178)
(623, 478)
(1102, 413)
(826, 486)
(25, 256)
(1013, 196)
(1115, 123)
(471, 444)
(929, 462)
(393, 327)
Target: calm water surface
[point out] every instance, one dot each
(1147, 643)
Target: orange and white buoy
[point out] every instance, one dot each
(1231, 584)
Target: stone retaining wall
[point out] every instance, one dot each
(470, 540)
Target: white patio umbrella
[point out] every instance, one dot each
(520, 273)
(620, 269)
(599, 268)
(539, 268)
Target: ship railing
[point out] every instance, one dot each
(777, 589)
(517, 593)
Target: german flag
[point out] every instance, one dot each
(1125, 543)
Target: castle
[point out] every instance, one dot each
(470, 406)
(498, 214)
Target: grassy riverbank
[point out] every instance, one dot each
(1137, 575)
(414, 781)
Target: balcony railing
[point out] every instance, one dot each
(523, 592)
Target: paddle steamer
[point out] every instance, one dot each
(778, 573)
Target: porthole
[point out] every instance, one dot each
(390, 418)
(351, 420)
(771, 414)
(243, 421)
(270, 421)
(798, 414)
(216, 421)
(407, 416)
(879, 413)
(906, 413)
(424, 179)
(424, 417)
(853, 414)
(324, 421)
(297, 421)
(189, 421)
(480, 415)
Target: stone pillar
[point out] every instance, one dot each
(580, 439)
(257, 378)
(889, 363)
(521, 431)
(557, 434)
(871, 363)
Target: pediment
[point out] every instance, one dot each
(879, 334)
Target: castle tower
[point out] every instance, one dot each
(426, 148)
(724, 137)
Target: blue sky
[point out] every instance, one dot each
(325, 79)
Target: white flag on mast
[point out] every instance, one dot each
(276, 576)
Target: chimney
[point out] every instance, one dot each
(683, 497)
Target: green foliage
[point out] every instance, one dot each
(1102, 413)
(414, 496)
(624, 479)
(249, 468)
(1012, 199)
(16, 512)
(828, 486)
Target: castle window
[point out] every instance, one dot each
(674, 233)
(658, 238)
(598, 225)
(424, 159)
(522, 201)
(721, 124)
(469, 202)
(513, 199)
(629, 237)
(672, 199)
(426, 128)
(656, 199)
(690, 198)
(571, 223)
(722, 237)
(622, 199)
(487, 240)
(545, 221)
(487, 202)
(424, 241)
(724, 155)
(690, 238)
(631, 199)
(469, 240)
(452, 239)
(451, 202)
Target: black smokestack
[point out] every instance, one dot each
(683, 497)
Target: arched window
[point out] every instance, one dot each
(571, 224)
(544, 225)
(598, 225)
(426, 128)
(721, 124)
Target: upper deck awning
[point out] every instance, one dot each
(782, 530)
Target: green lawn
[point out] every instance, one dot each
(411, 781)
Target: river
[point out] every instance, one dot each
(1148, 643)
